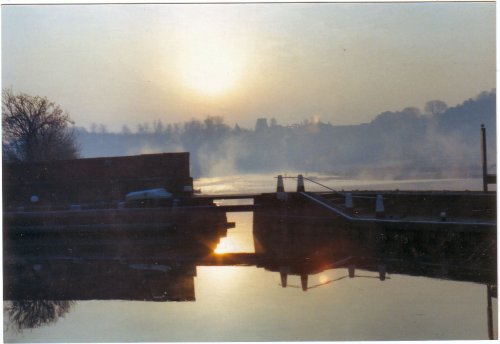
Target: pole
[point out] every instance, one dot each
(483, 158)
(491, 335)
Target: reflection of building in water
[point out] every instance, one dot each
(300, 241)
(67, 280)
(294, 239)
(41, 293)
(132, 254)
(38, 294)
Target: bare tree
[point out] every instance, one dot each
(35, 129)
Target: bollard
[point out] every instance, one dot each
(280, 189)
(348, 202)
(303, 282)
(381, 272)
(300, 184)
(379, 207)
(352, 269)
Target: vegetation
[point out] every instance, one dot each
(438, 142)
(35, 129)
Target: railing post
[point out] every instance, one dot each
(280, 189)
(300, 184)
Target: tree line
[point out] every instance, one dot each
(437, 141)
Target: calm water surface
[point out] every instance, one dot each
(249, 303)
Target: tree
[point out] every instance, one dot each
(126, 130)
(35, 129)
(435, 107)
(159, 128)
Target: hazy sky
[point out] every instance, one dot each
(345, 62)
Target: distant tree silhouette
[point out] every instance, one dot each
(405, 141)
(158, 127)
(35, 129)
(434, 107)
(126, 130)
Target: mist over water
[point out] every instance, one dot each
(406, 144)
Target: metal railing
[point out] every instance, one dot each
(341, 193)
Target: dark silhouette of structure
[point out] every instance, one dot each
(94, 180)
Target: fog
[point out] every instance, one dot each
(435, 142)
(121, 64)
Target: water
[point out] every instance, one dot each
(249, 303)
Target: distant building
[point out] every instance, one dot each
(261, 124)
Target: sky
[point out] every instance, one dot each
(344, 63)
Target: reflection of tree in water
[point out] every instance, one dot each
(25, 314)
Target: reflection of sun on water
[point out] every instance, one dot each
(224, 246)
(323, 278)
(240, 238)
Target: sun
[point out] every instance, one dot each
(210, 65)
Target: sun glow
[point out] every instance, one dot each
(212, 55)
(225, 246)
(211, 67)
(323, 278)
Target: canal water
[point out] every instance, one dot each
(250, 303)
